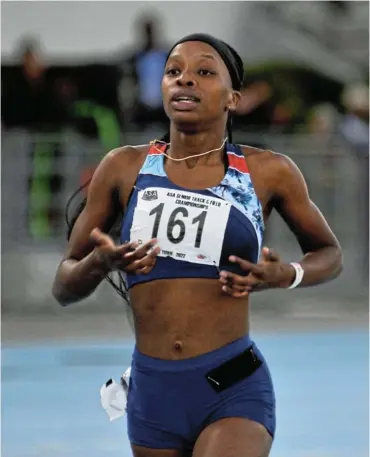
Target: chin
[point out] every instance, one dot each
(187, 120)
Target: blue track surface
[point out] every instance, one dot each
(51, 405)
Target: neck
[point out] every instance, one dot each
(184, 144)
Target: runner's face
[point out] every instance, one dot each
(196, 85)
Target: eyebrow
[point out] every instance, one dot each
(207, 56)
(202, 56)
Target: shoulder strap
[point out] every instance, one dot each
(156, 147)
(236, 158)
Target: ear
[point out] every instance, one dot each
(234, 99)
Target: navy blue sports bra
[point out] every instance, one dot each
(197, 230)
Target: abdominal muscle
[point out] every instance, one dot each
(183, 318)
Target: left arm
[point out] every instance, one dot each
(322, 259)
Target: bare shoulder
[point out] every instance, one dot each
(268, 158)
(270, 167)
(128, 156)
(124, 161)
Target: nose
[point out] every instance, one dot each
(186, 79)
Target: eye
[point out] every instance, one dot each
(172, 71)
(205, 72)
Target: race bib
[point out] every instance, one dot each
(189, 227)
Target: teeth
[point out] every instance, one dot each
(185, 99)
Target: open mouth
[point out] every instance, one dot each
(186, 99)
(185, 102)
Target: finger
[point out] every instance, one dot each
(270, 255)
(141, 251)
(149, 258)
(251, 284)
(100, 238)
(233, 293)
(115, 253)
(145, 270)
(237, 287)
(127, 247)
(274, 256)
(230, 284)
(147, 261)
(226, 277)
(246, 265)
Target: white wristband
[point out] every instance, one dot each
(299, 272)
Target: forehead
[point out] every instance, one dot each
(195, 50)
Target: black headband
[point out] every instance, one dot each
(230, 57)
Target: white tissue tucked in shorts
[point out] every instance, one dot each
(113, 396)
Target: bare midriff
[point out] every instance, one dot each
(183, 318)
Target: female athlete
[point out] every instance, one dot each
(191, 248)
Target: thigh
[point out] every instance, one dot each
(233, 437)
(141, 451)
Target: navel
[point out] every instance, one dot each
(178, 346)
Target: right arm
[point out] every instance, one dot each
(81, 270)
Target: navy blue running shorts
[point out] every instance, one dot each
(170, 402)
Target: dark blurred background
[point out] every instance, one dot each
(80, 78)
